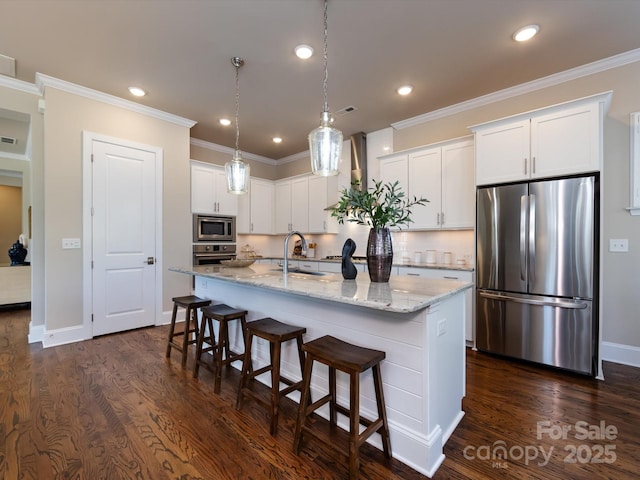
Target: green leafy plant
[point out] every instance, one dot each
(381, 206)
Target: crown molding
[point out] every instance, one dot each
(43, 81)
(20, 85)
(524, 88)
(221, 148)
(294, 157)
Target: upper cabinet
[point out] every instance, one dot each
(322, 191)
(292, 205)
(209, 190)
(560, 140)
(255, 210)
(441, 173)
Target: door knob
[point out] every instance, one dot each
(151, 260)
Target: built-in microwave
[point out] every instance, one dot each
(214, 228)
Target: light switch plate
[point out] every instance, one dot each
(618, 245)
(68, 243)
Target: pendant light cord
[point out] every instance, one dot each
(326, 69)
(237, 65)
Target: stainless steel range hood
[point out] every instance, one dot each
(358, 142)
(359, 159)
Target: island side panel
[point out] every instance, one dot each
(412, 403)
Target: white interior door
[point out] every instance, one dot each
(123, 233)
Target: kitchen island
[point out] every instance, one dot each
(418, 323)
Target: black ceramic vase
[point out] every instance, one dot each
(349, 270)
(379, 255)
(17, 254)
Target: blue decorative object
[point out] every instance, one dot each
(17, 254)
(349, 270)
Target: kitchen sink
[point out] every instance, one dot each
(300, 271)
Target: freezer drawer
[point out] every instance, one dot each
(547, 330)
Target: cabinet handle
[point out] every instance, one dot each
(525, 166)
(413, 274)
(324, 225)
(251, 229)
(442, 218)
(451, 278)
(533, 164)
(438, 219)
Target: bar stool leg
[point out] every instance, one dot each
(305, 400)
(247, 366)
(354, 425)
(332, 397)
(172, 329)
(223, 345)
(275, 386)
(382, 412)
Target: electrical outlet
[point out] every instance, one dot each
(68, 243)
(618, 245)
(442, 327)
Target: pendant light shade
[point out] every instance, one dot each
(236, 170)
(325, 142)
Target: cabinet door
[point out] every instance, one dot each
(320, 220)
(283, 207)
(458, 189)
(424, 181)
(502, 153)
(566, 142)
(243, 219)
(300, 204)
(226, 203)
(202, 189)
(262, 192)
(395, 168)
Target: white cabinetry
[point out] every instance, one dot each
(209, 191)
(255, 209)
(292, 205)
(461, 275)
(320, 189)
(441, 173)
(559, 140)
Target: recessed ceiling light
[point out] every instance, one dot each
(277, 140)
(526, 33)
(405, 90)
(303, 51)
(225, 121)
(136, 91)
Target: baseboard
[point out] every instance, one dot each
(62, 336)
(618, 353)
(165, 318)
(36, 333)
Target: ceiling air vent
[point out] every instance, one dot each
(8, 140)
(345, 110)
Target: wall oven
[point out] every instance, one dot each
(213, 254)
(214, 228)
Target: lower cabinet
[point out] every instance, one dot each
(462, 275)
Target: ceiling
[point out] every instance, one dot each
(180, 51)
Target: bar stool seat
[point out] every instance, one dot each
(353, 360)
(190, 303)
(222, 353)
(276, 333)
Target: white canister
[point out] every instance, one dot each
(430, 256)
(447, 257)
(417, 257)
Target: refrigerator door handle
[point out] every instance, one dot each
(551, 302)
(523, 236)
(532, 238)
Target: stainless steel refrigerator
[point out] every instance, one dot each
(537, 249)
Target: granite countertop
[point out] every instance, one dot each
(402, 294)
(436, 266)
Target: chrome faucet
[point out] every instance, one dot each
(285, 263)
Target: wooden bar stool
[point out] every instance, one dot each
(191, 304)
(353, 360)
(276, 333)
(222, 353)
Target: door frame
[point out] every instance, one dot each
(87, 232)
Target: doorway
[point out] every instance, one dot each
(123, 234)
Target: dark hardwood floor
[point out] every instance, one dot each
(114, 408)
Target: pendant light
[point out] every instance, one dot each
(237, 171)
(325, 142)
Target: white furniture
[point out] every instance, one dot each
(15, 284)
(441, 173)
(322, 192)
(209, 190)
(255, 209)
(462, 275)
(417, 322)
(292, 205)
(559, 140)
